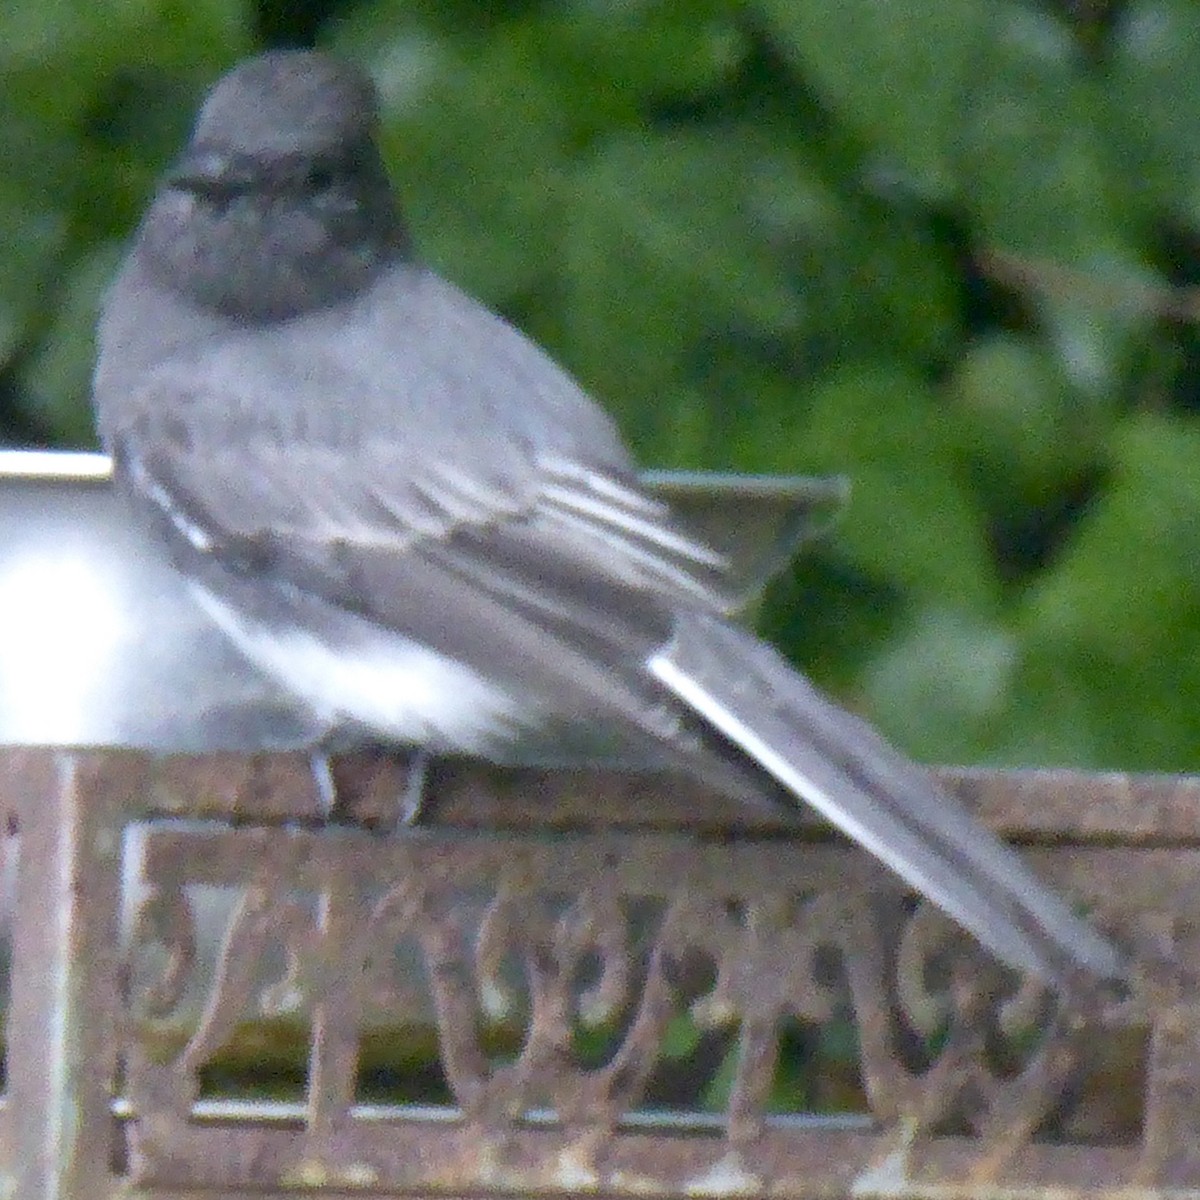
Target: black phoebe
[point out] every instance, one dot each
(404, 511)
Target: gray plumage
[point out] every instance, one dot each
(411, 516)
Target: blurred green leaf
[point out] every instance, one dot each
(671, 247)
(1035, 170)
(478, 147)
(1026, 432)
(942, 685)
(1071, 704)
(1097, 333)
(910, 520)
(58, 376)
(1129, 575)
(900, 77)
(78, 168)
(33, 238)
(649, 51)
(1151, 103)
(878, 284)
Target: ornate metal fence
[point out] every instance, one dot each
(568, 983)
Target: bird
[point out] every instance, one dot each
(409, 516)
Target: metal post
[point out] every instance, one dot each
(62, 1034)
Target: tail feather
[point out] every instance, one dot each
(836, 763)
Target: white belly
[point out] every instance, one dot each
(400, 690)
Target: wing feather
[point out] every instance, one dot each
(560, 535)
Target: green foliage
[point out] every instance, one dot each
(944, 247)
(896, 75)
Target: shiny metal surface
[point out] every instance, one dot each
(100, 643)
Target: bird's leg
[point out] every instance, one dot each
(397, 805)
(412, 798)
(322, 773)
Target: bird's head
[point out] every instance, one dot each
(280, 203)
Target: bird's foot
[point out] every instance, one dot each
(381, 791)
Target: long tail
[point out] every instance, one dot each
(890, 806)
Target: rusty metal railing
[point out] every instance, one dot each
(568, 982)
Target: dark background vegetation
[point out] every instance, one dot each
(948, 247)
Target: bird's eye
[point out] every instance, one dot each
(320, 179)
